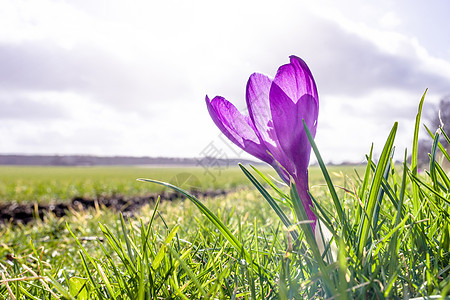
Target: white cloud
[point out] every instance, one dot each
(390, 20)
(130, 78)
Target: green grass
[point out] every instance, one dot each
(50, 248)
(175, 252)
(53, 184)
(50, 184)
(389, 239)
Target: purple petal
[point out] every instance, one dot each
(296, 80)
(258, 89)
(237, 127)
(287, 121)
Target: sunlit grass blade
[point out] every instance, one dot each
(273, 186)
(188, 270)
(440, 146)
(342, 263)
(116, 245)
(272, 202)
(365, 183)
(385, 185)
(365, 224)
(379, 199)
(414, 156)
(447, 138)
(393, 245)
(443, 175)
(162, 251)
(211, 216)
(310, 238)
(433, 162)
(445, 151)
(127, 241)
(420, 182)
(337, 204)
(324, 214)
(66, 294)
(402, 190)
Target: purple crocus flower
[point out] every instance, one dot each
(273, 130)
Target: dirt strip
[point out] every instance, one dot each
(27, 212)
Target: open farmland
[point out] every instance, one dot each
(176, 251)
(54, 184)
(60, 184)
(241, 207)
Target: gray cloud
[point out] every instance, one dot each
(345, 64)
(384, 109)
(19, 107)
(39, 66)
(350, 65)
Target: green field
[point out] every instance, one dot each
(49, 246)
(53, 184)
(230, 247)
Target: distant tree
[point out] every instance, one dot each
(437, 116)
(423, 150)
(441, 115)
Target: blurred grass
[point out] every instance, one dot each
(54, 184)
(48, 248)
(186, 256)
(390, 228)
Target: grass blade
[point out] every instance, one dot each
(415, 198)
(273, 186)
(433, 162)
(439, 144)
(270, 200)
(309, 235)
(212, 217)
(127, 241)
(337, 204)
(364, 226)
(381, 193)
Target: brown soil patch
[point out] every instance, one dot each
(27, 212)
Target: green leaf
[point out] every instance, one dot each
(274, 187)
(270, 200)
(443, 175)
(337, 203)
(127, 241)
(381, 193)
(439, 145)
(212, 217)
(162, 251)
(433, 162)
(310, 238)
(77, 287)
(365, 224)
(415, 198)
(366, 175)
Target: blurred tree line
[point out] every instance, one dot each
(438, 116)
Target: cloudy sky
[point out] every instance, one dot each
(115, 77)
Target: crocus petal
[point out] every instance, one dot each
(257, 96)
(274, 131)
(287, 119)
(237, 127)
(296, 80)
